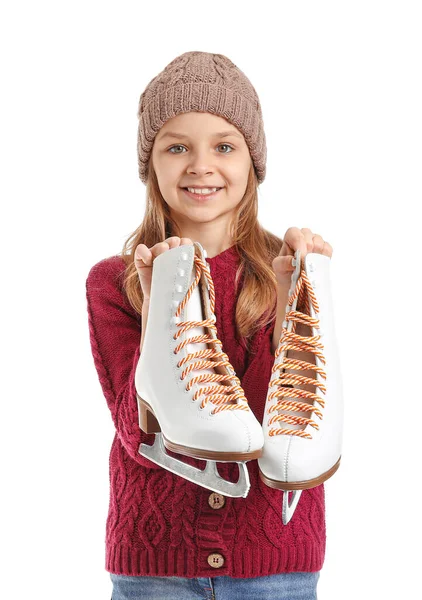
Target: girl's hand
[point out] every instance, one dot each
(297, 239)
(144, 257)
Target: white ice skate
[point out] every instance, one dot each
(188, 392)
(299, 452)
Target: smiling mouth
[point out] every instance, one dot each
(201, 196)
(211, 188)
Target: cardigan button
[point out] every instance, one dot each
(215, 560)
(216, 501)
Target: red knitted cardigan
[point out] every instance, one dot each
(159, 523)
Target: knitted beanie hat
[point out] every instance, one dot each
(202, 82)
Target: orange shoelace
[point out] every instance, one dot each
(291, 340)
(225, 396)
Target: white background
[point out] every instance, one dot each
(340, 88)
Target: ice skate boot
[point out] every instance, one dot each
(188, 393)
(299, 452)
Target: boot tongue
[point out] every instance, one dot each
(198, 308)
(193, 312)
(300, 356)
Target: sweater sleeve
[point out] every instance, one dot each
(115, 336)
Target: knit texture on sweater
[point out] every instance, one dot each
(158, 523)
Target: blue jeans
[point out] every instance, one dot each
(283, 586)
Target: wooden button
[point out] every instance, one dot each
(216, 501)
(216, 560)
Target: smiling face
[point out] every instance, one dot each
(201, 150)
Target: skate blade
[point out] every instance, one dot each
(208, 478)
(289, 508)
(296, 488)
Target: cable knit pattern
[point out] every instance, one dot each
(163, 525)
(183, 516)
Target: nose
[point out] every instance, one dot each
(201, 163)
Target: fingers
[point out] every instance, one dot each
(144, 256)
(283, 264)
(174, 241)
(315, 243)
(304, 240)
(185, 241)
(294, 239)
(327, 249)
(171, 242)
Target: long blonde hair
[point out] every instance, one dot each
(257, 247)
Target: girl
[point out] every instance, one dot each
(200, 126)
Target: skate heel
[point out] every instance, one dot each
(147, 420)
